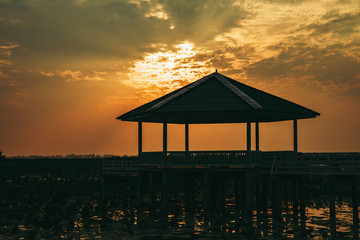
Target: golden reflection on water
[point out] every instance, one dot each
(317, 220)
(123, 217)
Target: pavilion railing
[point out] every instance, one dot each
(120, 167)
(201, 159)
(279, 162)
(311, 163)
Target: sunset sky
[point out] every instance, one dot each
(69, 68)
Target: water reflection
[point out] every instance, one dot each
(79, 206)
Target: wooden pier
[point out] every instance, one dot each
(258, 181)
(257, 177)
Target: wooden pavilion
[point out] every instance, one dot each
(214, 98)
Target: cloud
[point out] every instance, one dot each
(123, 30)
(166, 70)
(74, 76)
(200, 21)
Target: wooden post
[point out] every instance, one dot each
(264, 203)
(165, 190)
(295, 136)
(276, 200)
(139, 188)
(186, 137)
(190, 198)
(248, 136)
(217, 192)
(295, 201)
(257, 136)
(355, 205)
(206, 191)
(258, 198)
(139, 139)
(276, 206)
(332, 208)
(150, 187)
(246, 193)
(237, 195)
(264, 194)
(164, 144)
(302, 204)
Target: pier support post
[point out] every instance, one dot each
(150, 187)
(246, 193)
(264, 194)
(258, 195)
(165, 190)
(355, 205)
(276, 205)
(259, 200)
(206, 191)
(189, 200)
(295, 201)
(139, 188)
(237, 195)
(302, 204)
(332, 201)
(217, 192)
(276, 200)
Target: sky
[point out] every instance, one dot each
(69, 68)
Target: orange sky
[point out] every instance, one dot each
(69, 68)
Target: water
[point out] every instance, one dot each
(74, 205)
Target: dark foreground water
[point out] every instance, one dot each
(58, 203)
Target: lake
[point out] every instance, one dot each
(59, 202)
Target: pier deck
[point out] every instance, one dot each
(276, 162)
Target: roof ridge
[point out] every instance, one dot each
(251, 102)
(178, 94)
(272, 95)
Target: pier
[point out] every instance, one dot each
(264, 184)
(258, 180)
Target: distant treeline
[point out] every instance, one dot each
(68, 156)
(50, 163)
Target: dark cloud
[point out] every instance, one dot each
(106, 29)
(200, 21)
(323, 64)
(65, 30)
(352, 92)
(337, 23)
(286, 1)
(333, 71)
(14, 5)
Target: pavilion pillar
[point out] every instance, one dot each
(248, 136)
(186, 137)
(295, 135)
(139, 139)
(257, 136)
(164, 143)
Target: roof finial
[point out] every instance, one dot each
(216, 70)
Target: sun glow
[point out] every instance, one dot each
(167, 69)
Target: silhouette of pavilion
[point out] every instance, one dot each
(214, 98)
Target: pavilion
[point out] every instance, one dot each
(214, 98)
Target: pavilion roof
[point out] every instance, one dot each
(216, 98)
